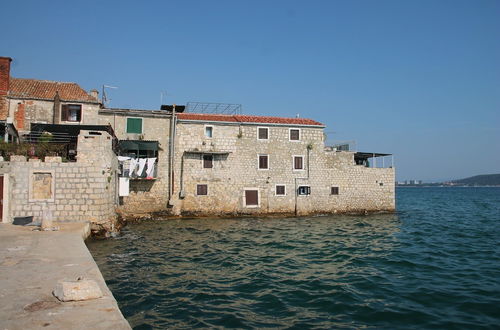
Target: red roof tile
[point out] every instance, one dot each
(46, 89)
(248, 119)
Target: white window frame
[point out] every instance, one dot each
(268, 131)
(303, 185)
(205, 131)
(290, 134)
(303, 163)
(279, 184)
(70, 121)
(245, 199)
(258, 162)
(196, 191)
(126, 124)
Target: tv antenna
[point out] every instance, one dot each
(162, 93)
(104, 96)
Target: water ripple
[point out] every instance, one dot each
(435, 264)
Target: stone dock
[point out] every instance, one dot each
(32, 262)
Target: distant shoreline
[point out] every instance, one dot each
(445, 186)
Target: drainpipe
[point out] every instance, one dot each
(171, 158)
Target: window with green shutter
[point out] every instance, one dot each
(134, 125)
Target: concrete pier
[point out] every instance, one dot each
(33, 262)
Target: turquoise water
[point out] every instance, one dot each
(434, 264)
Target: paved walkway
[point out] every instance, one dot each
(31, 263)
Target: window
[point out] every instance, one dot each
(251, 198)
(71, 112)
(304, 190)
(334, 191)
(263, 162)
(209, 131)
(280, 190)
(294, 134)
(201, 189)
(134, 125)
(298, 162)
(262, 133)
(208, 161)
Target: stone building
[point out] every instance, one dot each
(237, 164)
(142, 134)
(26, 101)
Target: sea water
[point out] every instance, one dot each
(433, 264)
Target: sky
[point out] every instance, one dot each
(417, 79)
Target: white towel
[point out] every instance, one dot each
(123, 158)
(124, 186)
(132, 166)
(151, 167)
(142, 164)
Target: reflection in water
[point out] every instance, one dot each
(418, 267)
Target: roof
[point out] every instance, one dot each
(248, 119)
(46, 90)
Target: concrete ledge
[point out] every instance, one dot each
(33, 262)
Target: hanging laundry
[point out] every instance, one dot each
(151, 168)
(142, 164)
(123, 158)
(132, 166)
(123, 186)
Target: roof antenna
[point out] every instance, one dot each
(162, 93)
(104, 97)
(297, 115)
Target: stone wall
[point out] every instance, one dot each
(79, 191)
(360, 188)
(145, 196)
(25, 112)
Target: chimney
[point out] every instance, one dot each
(4, 86)
(4, 75)
(95, 94)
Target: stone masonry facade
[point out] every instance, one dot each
(74, 191)
(236, 150)
(146, 196)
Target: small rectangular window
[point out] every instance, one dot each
(298, 162)
(201, 189)
(251, 198)
(209, 131)
(334, 191)
(304, 190)
(294, 134)
(263, 133)
(208, 161)
(71, 112)
(134, 125)
(280, 190)
(263, 162)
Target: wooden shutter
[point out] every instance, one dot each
(201, 189)
(134, 125)
(251, 197)
(294, 134)
(280, 190)
(263, 133)
(298, 163)
(64, 112)
(263, 162)
(208, 161)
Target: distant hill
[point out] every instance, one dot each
(480, 180)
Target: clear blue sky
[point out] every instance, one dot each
(420, 79)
